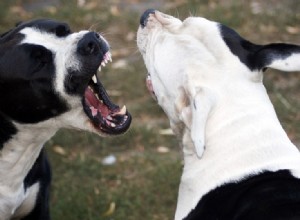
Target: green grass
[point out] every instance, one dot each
(143, 183)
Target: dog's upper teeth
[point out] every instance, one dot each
(94, 78)
(99, 68)
(108, 57)
(103, 64)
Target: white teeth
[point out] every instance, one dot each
(109, 118)
(109, 56)
(122, 111)
(94, 78)
(106, 59)
(112, 125)
(99, 68)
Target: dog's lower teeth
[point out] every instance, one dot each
(113, 125)
(99, 68)
(109, 118)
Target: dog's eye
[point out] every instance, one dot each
(62, 31)
(41, 57)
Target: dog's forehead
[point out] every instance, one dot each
(55, 36)
(43, 25)
(59, 29)
(222, 41)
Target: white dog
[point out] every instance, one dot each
(238, 161)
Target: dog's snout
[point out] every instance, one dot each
(145, 16)
(90, 44)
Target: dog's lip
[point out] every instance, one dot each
(150, 86)
(105, 116)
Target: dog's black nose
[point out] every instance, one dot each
(90, 44)
(145, 16)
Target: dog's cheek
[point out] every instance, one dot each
(75, 84)
(31, 102)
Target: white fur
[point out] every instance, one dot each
(291, 63)
(63, 48)
(218, 107)
(29, 202)
(19, 154)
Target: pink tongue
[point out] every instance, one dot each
(91, 98)
(95, 105)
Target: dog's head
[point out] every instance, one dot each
(49, 73)
(185, 56)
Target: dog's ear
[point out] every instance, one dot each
(285, 57)
(5, 33)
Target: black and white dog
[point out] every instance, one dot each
(239, 164)
(47, 81)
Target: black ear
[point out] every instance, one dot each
(285, 57)
(17, 24)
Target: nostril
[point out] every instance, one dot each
(90, 47)
(89, 44)
(145, 16)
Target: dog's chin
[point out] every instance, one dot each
(105, 117)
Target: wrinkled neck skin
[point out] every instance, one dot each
(16, 159)
(242, 137)
(20, 152)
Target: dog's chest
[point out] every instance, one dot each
(18, 203)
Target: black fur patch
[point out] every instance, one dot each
(266, 196)
(27, 72)
(255, 57)
(40, 172)
(7, 130)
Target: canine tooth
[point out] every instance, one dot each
(94, 78)
(112, 125)
(122, 111)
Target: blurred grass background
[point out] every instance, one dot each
(143, 182)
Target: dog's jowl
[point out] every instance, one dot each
(48, 80)
(239, 164)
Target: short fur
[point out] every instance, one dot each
(47, 81)
(238, 161)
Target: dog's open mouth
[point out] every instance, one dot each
(104, 114)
